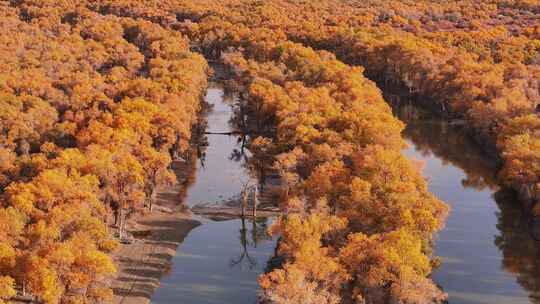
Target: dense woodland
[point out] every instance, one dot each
(93, 107)
(99, 96)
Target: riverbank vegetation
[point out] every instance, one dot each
(351, 190)
(100, 94)
(352, 197)
(93, 107)
(463, 59)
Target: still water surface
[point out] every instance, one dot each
(487, 254)
(219, 261)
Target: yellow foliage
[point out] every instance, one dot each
(7, 288)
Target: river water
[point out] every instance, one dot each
(486, 251)
(219, 261)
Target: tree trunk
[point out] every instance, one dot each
(122, 224)
(244, 203)
(255, 201)
(243, 144)
(254, 234)
(151, 199)
(116, 218)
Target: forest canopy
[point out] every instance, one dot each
(97, 97)
(93, 107)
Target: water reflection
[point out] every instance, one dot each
(449, 143)
(488, 254)
(521, 253)
(240, 155)
(203, 273)
(219, 262)
(257, 233)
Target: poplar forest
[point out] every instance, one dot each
(100, 99)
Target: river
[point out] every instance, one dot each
(219, 261)
(487, 253)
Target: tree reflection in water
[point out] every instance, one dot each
(250, 239)
(520, 252)
(240, 155)
(448, 142)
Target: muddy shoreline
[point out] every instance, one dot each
(156, 237)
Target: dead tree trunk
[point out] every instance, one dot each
(151, 200)
(122, 219)
(244, 202)
(149, 195)
(116, 217)
(255, 201)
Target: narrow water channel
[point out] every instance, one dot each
(219, 261)
(487, 253)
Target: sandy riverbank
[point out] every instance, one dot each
(232, 209)
(143, 263)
